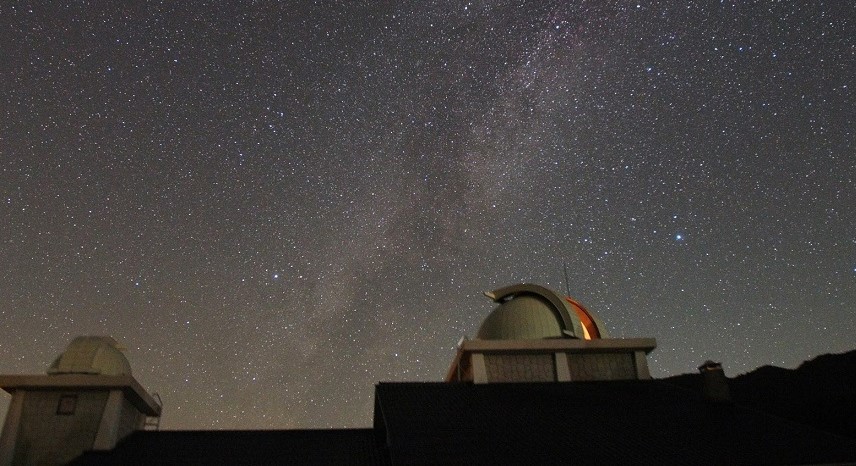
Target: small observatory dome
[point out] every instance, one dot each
(531, 312)
(100, 355)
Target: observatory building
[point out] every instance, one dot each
(536, 335)
(87, 401)
(541, 383)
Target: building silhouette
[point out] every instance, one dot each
(541, 383)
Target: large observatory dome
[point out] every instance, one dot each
(529, 312)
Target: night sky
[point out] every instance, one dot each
(275, 206)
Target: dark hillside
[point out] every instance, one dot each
(820, 393)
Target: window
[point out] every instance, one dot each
(67, 405)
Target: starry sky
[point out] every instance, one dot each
(275, 205)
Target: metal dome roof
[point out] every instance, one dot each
(528, 311)
(526, 317)
(99, 355)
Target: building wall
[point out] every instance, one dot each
(46, 437)
(542, 367)
(130, 419)
(601, 366)
(520, 367)
(549, 360)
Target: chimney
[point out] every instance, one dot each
(714, 382)
(87, 401)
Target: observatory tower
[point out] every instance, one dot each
(87, 401)
(537, 335)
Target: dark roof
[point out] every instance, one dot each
(640, 422)
(230, 447)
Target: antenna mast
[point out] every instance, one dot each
(567, 282)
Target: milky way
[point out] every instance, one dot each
(274, 207)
